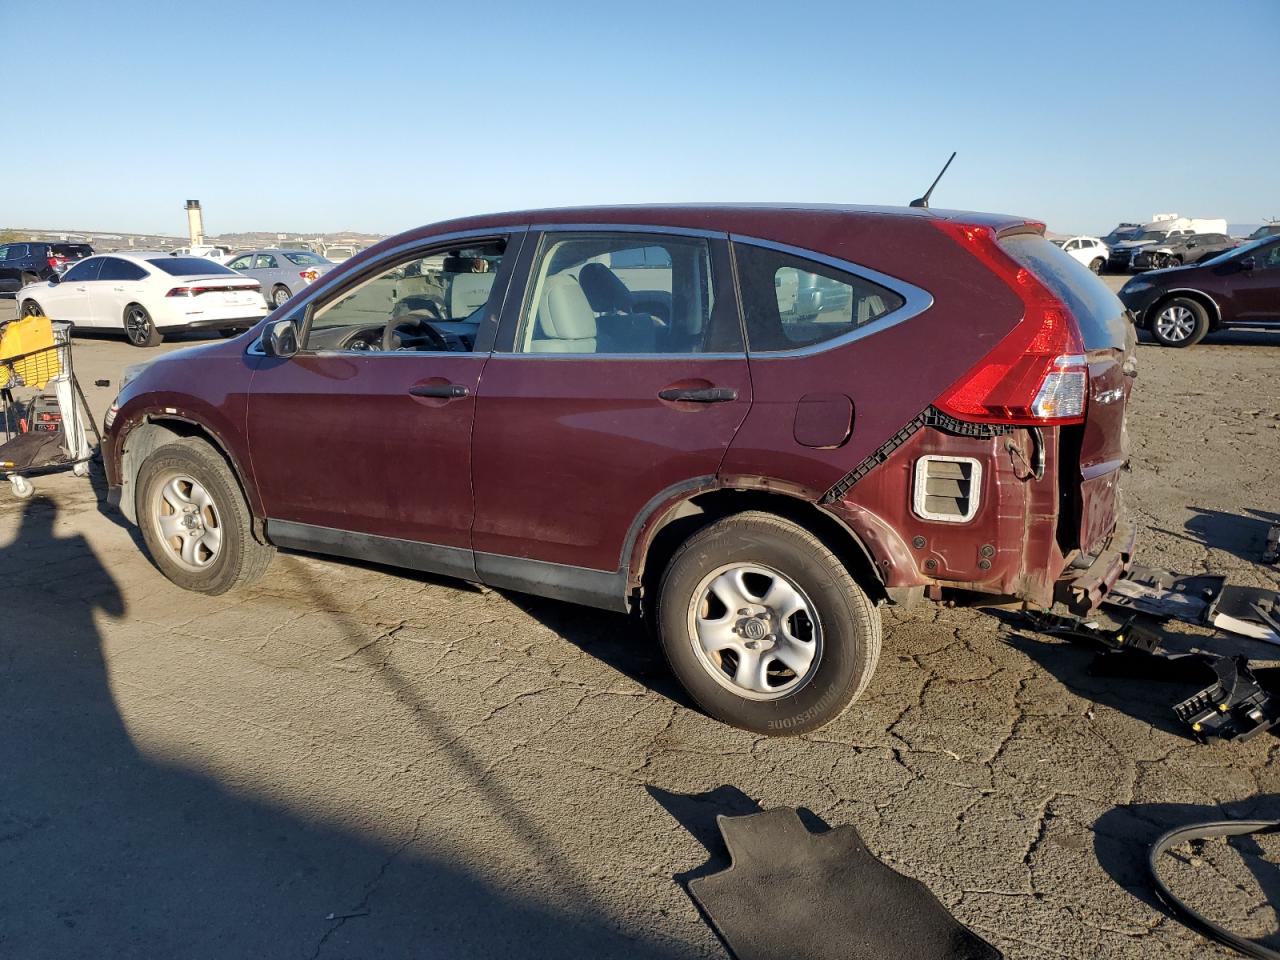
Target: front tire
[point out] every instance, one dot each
(765, 627)
(32, 309)
(195, 521)
(1180, 322)
(140, 328)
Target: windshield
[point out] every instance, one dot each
(77, 250)
(1149, 235)
(1241, 251)
(1267, 230)
(190, 267)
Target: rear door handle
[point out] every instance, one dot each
(699, 394)
(443, 391)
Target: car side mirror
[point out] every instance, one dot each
(1247, 263)
(281, 339)
(55, 277)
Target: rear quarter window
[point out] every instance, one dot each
(790, 302)
(1097, 310)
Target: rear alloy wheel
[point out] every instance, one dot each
(139, 327)
(31, 309)
(280, 295)
(765, 627)
(1097, 264)
(1180, 322)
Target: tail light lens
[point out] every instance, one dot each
(56, 262)
(309, 275)
(1038, 374)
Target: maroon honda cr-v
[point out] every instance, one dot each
(754, 424)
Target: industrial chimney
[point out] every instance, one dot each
(195, 222)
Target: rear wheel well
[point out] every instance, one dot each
(1210, 307)
(689, 516)
(155, 433)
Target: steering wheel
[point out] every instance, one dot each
(415, 325)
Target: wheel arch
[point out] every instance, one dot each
(661, 531)
(1202, 298)
(152, 432)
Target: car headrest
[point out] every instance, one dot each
(605, 291)
(565, 313)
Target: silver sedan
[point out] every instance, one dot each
(282, 273)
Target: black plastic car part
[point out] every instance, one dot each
(1197, 921)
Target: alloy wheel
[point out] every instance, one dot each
(187, 522)
(137, 324)
(1175, 323)
(755, 631)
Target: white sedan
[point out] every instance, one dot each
(1090, 251)
(146, 295)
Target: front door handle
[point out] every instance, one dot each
(441, 391)
(699, 394)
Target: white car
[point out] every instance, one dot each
(1090, 251)
(147, 295)
(208, 251)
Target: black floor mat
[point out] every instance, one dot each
(798, 895)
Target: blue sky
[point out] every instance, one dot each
(372, 116)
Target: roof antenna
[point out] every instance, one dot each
(924, 201)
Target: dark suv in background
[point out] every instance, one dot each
(40, 261)
(1178, 249)
(752, 425)
(1239, 288)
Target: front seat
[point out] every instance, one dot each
(566, 322)
(604, 289)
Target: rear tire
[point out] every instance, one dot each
(804, 638)
(140, 328)
(280, 295)
(195, 521)
(1180, 322)
(1097, 264)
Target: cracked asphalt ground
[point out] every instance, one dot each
(349, 761)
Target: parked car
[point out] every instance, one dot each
(1174, 251)
(1238, 288)
(1120, 257)
(1090, 251)
(1266, 230)
(207, 251)
(10, 282)
(147, 295)
(658, 429)
(1123, 231)
(340, 252)
(40, 261)
(280, 271)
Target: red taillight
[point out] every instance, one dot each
(56, 262)
(196, 291)
(1038, 373)
(309, 275)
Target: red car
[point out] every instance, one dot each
(752, 424)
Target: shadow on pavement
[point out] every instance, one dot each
(1241, 534)
(106, 851)
(1149, 699)
(1122, 839)
(617, 640)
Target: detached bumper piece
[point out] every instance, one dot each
(1242, 704)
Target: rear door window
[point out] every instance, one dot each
(626, 294)
(1097, 310)
(791, 302)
